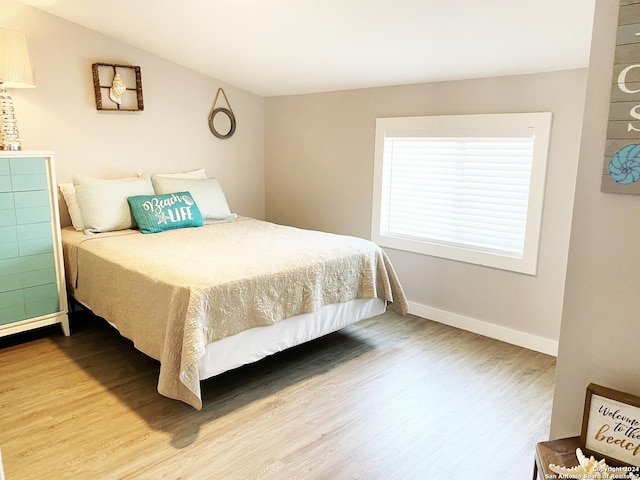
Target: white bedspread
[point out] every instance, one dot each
(175, 292)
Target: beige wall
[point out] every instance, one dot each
(171, 134)
(319, 152)
(601, 321)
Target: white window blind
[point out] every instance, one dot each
(463, 191)
(465, 187)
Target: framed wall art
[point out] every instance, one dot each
(117, 87)
(611, 426)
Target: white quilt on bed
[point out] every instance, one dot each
(175, 292)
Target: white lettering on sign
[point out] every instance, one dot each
(622, 79)
(634, 114)
(622, 85)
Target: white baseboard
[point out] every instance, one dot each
(504, 334)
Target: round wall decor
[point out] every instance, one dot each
(222, 121)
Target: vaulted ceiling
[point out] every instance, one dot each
(282, 47)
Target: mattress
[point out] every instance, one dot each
(257, 343)
(176, 292)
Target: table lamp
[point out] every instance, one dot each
(15, 72)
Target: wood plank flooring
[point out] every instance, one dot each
(389, 398)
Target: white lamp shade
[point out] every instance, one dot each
(16, 70)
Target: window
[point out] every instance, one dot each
(463, 187)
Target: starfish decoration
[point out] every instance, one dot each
(162, 218)
(590, 468)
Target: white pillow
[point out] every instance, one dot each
(206, 192)
(69, 195)
(103, 203)
(199, 173)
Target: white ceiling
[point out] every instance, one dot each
(281, 47)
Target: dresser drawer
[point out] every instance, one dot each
(12, 306)
(9, 250)
(41, 300)
(35, 246)
(27, 166)
(9, 233)
(33, 230)
(38, 277)
(12, 298)
(32, 198)
(21, 183)
(7, 217)
(5, 183)
(36, 262)
(41, 293)
(32, 215)
(10, 266)
(12, 314)
(6, 200)
(34, 239)
(11, 282)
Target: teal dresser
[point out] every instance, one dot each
(32, 283)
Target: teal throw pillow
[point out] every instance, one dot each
(157, 213)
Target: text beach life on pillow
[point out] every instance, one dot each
(157, 213)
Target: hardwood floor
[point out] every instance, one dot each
(389, 398)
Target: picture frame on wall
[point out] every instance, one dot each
(611, 426)
(117, 87)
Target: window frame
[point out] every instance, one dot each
(540, 122)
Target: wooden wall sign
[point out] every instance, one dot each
(622, 153)
(611, 427)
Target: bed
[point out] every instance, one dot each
(205, 300)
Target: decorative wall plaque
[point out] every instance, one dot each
(611, 426)
(622, 153)
(117, 87)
